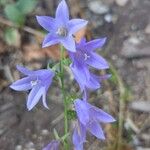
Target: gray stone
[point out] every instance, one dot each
(98, 7)
(143, 106)
(121, 2)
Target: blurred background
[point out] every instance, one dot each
(126, 24)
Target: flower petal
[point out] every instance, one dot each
(49, 40)
(77, 140)
(82, 130)
(104, 77)
(93, 83)
(81, 74)
(44, 99)
(76, 24)
(62, 12)
(53, 145)
(94, 44)
(69, 43)
(22, 84)
(48, 23)
(82, 111)
(24, 70)
(101, 115)
(96, 130)
(34, 96)
(97, 61)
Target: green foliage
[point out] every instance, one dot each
(70, 98)
(71, 114)
(12, 36)
(16, 12)
(56, 134)
(66, 61)
(26, 6)
(65, 137)
(4, 2)
(13, 14)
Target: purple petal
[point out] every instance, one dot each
(104, 77)
(96, 130)
(93, 83)
(44, 99)
(76, 24)
(45, 77)
(101, 115)
(82, 130)
(76, 140)
(94, 44)
(34, 96)
(97, 61)
(48, 23)
(62, 12)
(22, 84)
(79, 136)
(82, 41)
(50, 40)
(82, 111)
(81, 74)
(24, 70)
(44, 73)
(85, 94)
(53, 145)
(69, 43)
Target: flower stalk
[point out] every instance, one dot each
(66, 145)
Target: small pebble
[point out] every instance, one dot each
(108, 18)
(18, 147)
(45, 132)
(147, 29)
(29, 145)
(121, 2)
(98, 7)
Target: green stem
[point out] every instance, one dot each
(66, 144)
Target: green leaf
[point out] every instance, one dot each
(12, 37)
(65, 136)
(71, 114)
(56, 134)
(4, 2)
(26, 6)
(13, 14)
(66, 61)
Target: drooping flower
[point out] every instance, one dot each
(53, 145)
(84, 57)
(60, 28)
(90, 117)
(36, 81)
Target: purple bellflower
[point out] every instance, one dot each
(85, 54)
(84, 57)
(60, 28)
(36, 81)
(90, 118)
(53, 145)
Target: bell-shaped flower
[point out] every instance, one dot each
(53, 145)
(60, 28)
(36, 81)
(85, 54)
(90, 117)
